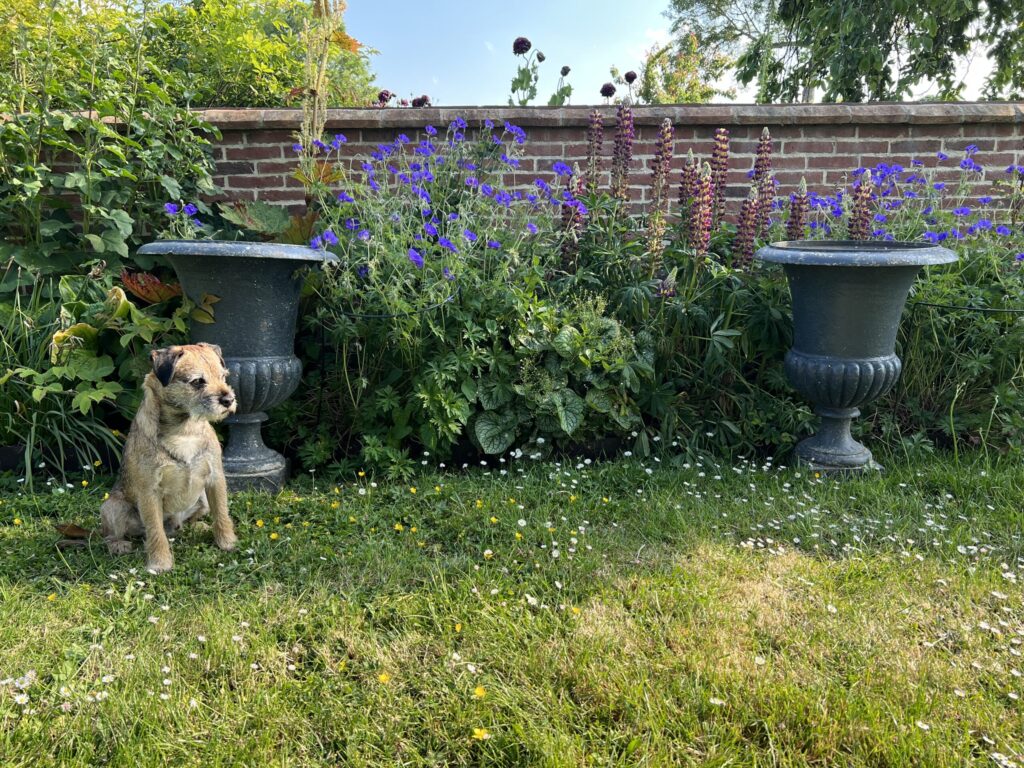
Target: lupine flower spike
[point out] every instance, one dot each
(658, 213)
(746, 230)
(689, 186)
(764, 181)
(860, 217)
(595, 141)
(702, 212)
(798, 205)
(719, 168)
(623, 152)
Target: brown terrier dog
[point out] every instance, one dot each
(172, 471)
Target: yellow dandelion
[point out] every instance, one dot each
(576, 611)
(305, 524)
(458, 626)
(572, 497)
(384, 678)
(115, 432)
(17, 521)
(259, 523)
(412, 529)
(519, 536)
(274, 536)
(361, 473)
(85, 483)
(399, 527)
(481, 734)
(351, 519)
(437, 488)
(479, 692)
(52, 596)
(604, 499)
(511, 500)
(493, 520)
(336, 490)
(335, 504)
(421, 543)
(97, 463)
(106, 496)
(277, 519)
(412, 490)
(479, 503)
(287, 525)
(551, 529)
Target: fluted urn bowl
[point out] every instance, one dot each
(252, 292)
(848, 296)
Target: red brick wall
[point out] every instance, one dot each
(820, 142)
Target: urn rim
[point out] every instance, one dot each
(236, 249)
(855, 253)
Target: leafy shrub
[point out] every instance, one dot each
(244, 53)
(71, 360)
(652, 330)
(94, 142)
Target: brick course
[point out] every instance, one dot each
(820, 142)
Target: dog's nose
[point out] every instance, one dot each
(227, 400)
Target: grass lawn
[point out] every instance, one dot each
(621, 614)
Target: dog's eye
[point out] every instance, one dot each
(198, 383)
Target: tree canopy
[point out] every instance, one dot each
(859, 51)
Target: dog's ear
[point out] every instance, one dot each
(216, 349)
(164, 361)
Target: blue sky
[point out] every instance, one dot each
(460, 53)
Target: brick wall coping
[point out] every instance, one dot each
(690, 114)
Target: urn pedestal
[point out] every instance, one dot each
(255, 309)
(848, 297)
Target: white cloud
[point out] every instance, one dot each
(489, 45)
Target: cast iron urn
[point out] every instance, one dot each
(256, 289)
(848, 296)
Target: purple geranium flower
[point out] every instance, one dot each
(171, 209)
(416, 258)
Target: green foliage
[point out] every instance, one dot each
(71, 361)
(230, 53)
(683, 72)
(249, 53)
(852, 52)
(581, 339)
(94, 145)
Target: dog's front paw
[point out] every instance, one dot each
(157, 565)
(121, 547)
(226, 541)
